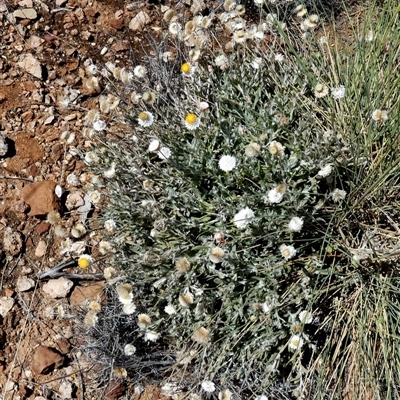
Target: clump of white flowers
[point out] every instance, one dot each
(214, 208)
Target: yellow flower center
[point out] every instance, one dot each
(185, 68)
(83, 262)
(286, 253)
(143, 116)
(295, 342)
(273, 148)
(191, 118)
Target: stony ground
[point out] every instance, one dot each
(45, 90)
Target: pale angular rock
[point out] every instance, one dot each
(139, 21)
(40, 249)
(31, 65)
(9, 386)
(41, 197)
(6, 304)
(46, 359)
(74, 200)
(24, 284)
(85, 209)
(25, 13)
(119, 46)
(35, 41)
(49, 120)
(83, 295)
(3, 145)
(58, 288)
(65, 390)
(26, 3)
(12, 241)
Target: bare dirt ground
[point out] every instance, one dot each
(44, 91)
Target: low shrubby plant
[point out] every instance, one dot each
(237, 214)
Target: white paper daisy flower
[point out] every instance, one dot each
(243, 217)
(192, 121)
(187, 69)
(151, 336)
(208, 386)
(295, 342)
(140, 71)
(124, 292)
(325, 171)
(175, 28)
(72, 180)
(170, 309)
(145, 119)
(110, 225)
(144, 321)
(227, 163)
(338, 92)
(306, 317)
(300, 10)
(95, 196)
(338, 195)
(129, 308)
(110, 172)
(276, 148)
(379, 115)
(91, 157)
(320, 90)
(221, 61)
(295, 224)
(287, 252)
(275, 196)
(84, 261)
(239, 36)
(310, 22)
(129, 349)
